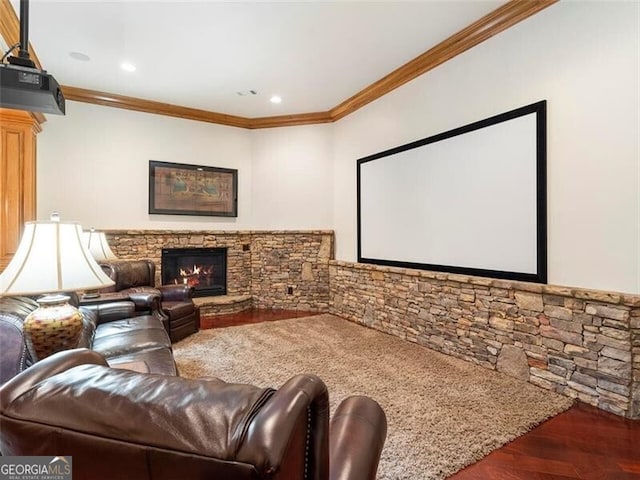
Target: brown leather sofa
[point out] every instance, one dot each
(119, 424)
(111, 329)
(138, 276)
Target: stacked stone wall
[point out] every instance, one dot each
(635, 343)
(291, 271)
(264, 264)
(582, 343)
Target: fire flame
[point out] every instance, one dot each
(185, 273)
(191, 278)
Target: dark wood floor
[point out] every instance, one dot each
(583, 443)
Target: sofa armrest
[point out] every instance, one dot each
(176, 293)
(14, 356)
(48, 367)
(358, 432)
(291, 430)
(148, 301)
(108, 312)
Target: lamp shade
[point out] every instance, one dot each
(97, 244)
(52, 258)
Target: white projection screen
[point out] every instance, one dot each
(471, 200)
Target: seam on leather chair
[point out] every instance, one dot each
(147, 461)
(259, 403)
(307, 441)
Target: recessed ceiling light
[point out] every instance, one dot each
(276, 99)
(79, 56)
(128, 67)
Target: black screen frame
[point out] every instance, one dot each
(540, 276)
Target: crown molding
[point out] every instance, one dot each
(491, 24)
(150, 106)
(290, 120)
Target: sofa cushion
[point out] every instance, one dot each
(139, 366)
(157, 360)
(143, 322)
(130, 335)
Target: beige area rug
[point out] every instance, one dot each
(443, 413)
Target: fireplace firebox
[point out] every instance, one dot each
(205, 269)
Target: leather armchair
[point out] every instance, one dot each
(137, 279)
(123, 424)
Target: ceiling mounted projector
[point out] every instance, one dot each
(30, 89)
(22, 85)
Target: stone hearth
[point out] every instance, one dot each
(224, 304)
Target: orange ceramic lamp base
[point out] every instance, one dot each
(54, 326)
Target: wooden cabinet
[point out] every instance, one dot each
(18, 132)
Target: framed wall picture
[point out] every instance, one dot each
(181, 189)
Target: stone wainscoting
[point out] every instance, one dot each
(582, 343)
(265, 265)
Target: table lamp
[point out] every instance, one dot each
(52, 258)
(97, 244)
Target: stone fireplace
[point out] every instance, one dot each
(204, 269)
(271, 268)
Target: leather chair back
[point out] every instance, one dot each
(130, 274)
(164, 427)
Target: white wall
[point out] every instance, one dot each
(93, 168)
(292, 177)
(583, 57)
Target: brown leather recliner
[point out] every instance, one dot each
(138, 276)
(122, 424)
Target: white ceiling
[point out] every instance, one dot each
(314, 54)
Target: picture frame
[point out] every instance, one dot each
(184, 189)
